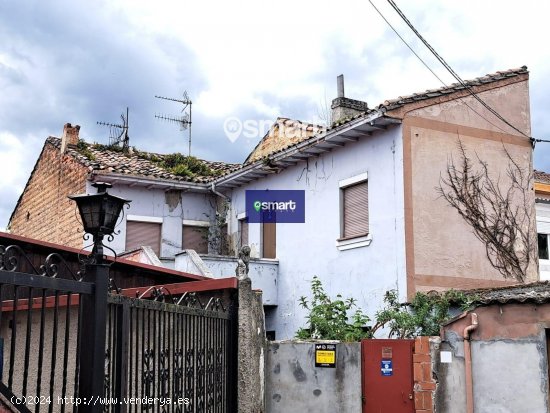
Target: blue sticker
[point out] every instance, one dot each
(386, 368)
(274, 206)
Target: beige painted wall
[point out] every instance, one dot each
(442, 251)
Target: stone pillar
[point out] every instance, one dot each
(251, 349)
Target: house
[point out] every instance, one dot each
(374, 220)
(509, 357)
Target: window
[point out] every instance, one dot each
(195, 237)
(139, 234)
(355, 212)
(269, 240)
(544, 242)
(243, 231)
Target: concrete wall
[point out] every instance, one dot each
(262, 271)
(509, 361)
(309, 249)
(295, 385)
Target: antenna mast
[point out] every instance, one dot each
(184, 120)
(119, 133)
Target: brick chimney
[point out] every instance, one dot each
(343, 107)
(70, 136)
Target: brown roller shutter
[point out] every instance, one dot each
(140, 234)
(356, 210)
(269, 240)
(195, 238)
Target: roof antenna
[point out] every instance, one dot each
(119, 133)
(184, 120)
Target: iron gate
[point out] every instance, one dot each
(171, 356)
(168, 354)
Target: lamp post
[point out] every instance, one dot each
(99, 213)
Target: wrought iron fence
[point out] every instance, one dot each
(169, 356)
(39, 330)
(165, 354)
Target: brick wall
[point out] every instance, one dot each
(44, 212)
(424, 383)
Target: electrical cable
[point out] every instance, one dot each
(450, 69)
(430, 69)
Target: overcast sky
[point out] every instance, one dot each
(83, 62)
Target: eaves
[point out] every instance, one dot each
(336, 137)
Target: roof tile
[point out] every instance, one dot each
(137, 164)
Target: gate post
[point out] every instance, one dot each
(92, 342)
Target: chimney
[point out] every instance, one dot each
(70, 136)
(343, 107)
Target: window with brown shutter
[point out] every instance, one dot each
(139, 234)
(243, 231)
(195, 238)
(269, 240)
(355, 211)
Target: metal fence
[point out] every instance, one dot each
(68, 345)
(169, 356)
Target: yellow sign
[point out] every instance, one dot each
(325, 357)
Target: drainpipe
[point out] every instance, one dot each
(213, 189)
(468, 364)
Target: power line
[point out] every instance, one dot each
(430, 69)
(450, 69)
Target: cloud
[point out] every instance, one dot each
(63, 61)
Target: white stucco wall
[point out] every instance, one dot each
(309, 249)
(543, 225)
(173, 207)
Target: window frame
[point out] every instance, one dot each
(196, 223)
(543, 224)
(359, 240)
(144, 219)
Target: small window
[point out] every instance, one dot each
(269, 240)
(355, 211)
(139, 234)
(195, 238)
(243, 232)
(543, 246)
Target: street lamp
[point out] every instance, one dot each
(99, 213)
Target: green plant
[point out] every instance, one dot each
(83, 149)
(179, 164)
(423, 316)
(112, 148)
(329, 319)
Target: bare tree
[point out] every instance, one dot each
(500, 213)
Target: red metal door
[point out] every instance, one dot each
(387, 375)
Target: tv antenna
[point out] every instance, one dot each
(185, 119)
(119, 132)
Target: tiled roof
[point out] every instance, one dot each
(106, 160)
(542, 177)
(538, 292)
(455, 87)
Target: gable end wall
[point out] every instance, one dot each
(44, 212)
